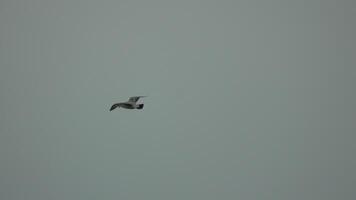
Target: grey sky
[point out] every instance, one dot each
(250, 99)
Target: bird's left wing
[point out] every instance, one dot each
(114, 106)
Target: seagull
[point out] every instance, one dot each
(130, 104)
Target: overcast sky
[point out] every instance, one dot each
(247, 100)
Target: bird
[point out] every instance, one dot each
(130, 104)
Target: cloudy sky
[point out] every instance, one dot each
(248, 99)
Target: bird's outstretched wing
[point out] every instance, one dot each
(114, 106)
(135, 99)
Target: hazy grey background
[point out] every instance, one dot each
(250, 99)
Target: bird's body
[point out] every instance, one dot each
(130, 104)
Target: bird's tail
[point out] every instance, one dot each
(140, 106)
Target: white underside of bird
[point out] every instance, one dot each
(130, 104)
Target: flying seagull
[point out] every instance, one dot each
(130, 104)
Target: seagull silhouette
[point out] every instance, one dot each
(130, 104)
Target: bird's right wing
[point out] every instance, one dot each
(135, 99)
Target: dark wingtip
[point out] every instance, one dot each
(112, 107)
